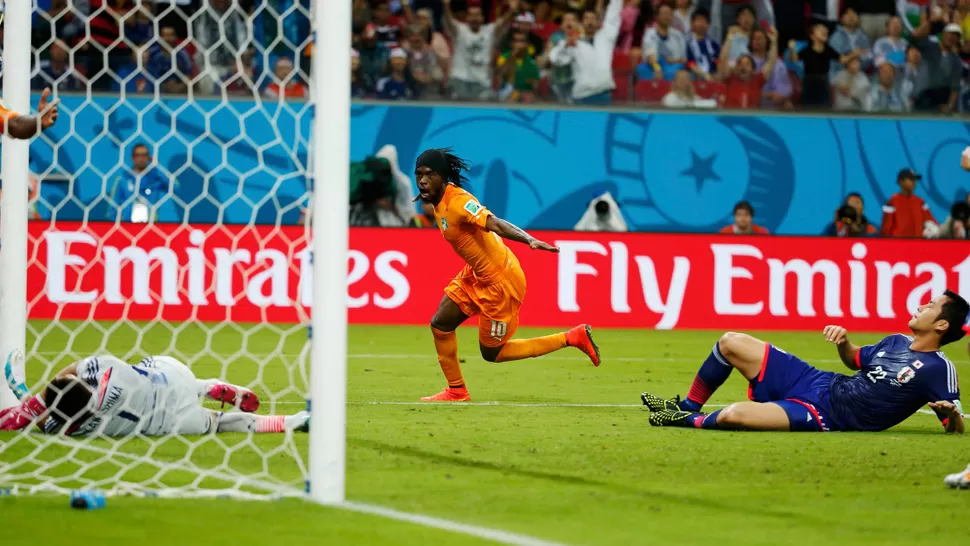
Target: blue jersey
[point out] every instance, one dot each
(893, 382)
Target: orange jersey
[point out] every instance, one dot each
(5, 116)
(461, 219)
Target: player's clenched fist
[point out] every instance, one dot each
(835, 334)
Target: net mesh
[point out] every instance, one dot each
(167, 207)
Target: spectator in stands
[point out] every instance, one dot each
(891, 47)
(285, 82)
(849, 37)
(745, 84)
(543, 26)
(102, 43)
(518, 71)
(435, 39)
(561, 77)
(682, 94)
(744, 220)
(591, 20)
(373, 59)
(524, 22)
(906, 214)
(387, 27)
(778, 90)
(682, 15)
(220, 34)
(629, 16)
(885, 95)
(133, 76)
(961, 16)
(938, 83)
(139, 27)
(740, 33)
(168, 63)
(602, 215)
(847, 224)
(910, 75)
(57, 73)
(664, 47)
(67, 20)
(471, 77)
(591, 62)
(702, 51)
(957, 224)
(139, 189)
(359, 86)
(425, 67)
(398, 83)
(725, 11)
(874, 15)
(817, 58)
(850, 87)
(242, 79)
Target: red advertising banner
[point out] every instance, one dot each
(396, 276)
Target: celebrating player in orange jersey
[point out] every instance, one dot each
(20, 126)
(492, 283)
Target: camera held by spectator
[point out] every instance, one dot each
(602, 214)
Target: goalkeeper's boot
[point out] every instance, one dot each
(674, 418)
(238, 397)
(449, 395)
(299, 422)
(960, 480)
(655, 403)
(581, 337)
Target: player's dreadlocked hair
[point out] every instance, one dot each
(449, 166)
(955, 312)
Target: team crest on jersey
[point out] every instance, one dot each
(905, 375)
(472, 207)
(917, 364)
(444, 224)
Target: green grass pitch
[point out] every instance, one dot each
(567, 473)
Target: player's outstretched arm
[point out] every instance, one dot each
(28, 126)
(514, 233)
(847, 351)
(954, 419)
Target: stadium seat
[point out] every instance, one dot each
(796, 88)
(709, 89)
(651, 90)
(622, 64)
(622, 91)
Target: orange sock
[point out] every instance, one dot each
(517, 349)
(446, 344)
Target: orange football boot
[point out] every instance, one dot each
(581, 337)
(449, 395)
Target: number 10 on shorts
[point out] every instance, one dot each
(498, 329)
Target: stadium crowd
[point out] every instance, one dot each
(848, 55)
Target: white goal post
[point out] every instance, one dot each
(210, 266)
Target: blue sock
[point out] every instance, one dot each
(713, 373)
(706, 421)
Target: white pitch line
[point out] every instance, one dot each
(516, 405)
(496, 535)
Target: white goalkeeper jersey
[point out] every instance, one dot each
(130, 400)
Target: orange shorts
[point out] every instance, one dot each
(496, 304)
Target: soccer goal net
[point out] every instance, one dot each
(167, 214)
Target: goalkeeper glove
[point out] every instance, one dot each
(14, 372)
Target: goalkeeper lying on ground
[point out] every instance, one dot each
(102, 395)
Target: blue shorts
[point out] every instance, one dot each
(801, 390)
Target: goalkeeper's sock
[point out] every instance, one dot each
(518, 349)
(446, 345)
(247, 422)
(713, 373)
